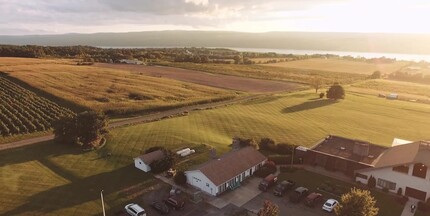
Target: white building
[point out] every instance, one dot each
(143, 162)
(219, 175)
(402, 167)
(131, 61)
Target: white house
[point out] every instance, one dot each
(226, 172)
(143, 162)
(402, 167)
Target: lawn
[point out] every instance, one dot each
(386, 204)
(107, 89)
(55, 179)
(296, 118)
(299, 75)
(388, 86)
(341, 65)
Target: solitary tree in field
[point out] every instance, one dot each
(357, 202)
(316, 83)
(85, 129)
(375, 75)
(336, 92)
(269, 209)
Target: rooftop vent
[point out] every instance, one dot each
(342, 148)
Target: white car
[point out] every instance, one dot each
(135, 210)
(329, 205)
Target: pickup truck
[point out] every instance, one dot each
(283, 187)
(299, 194)
(268, 182)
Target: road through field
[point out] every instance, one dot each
(214, 80)
(136, 120)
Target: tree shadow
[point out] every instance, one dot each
(81, 191)
(308, 105)
(36, 152)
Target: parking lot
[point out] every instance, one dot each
(285, 206)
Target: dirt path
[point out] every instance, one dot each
(208, 79)
(136, 120)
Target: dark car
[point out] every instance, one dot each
(283, 187)
(313, 198)
(175, 202)
(298, 194)
(160, 207)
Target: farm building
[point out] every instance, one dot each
(226, 172)
(336, 153)
(131, 61)
(403, 168)
(143, 162)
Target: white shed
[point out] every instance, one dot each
(143, 162)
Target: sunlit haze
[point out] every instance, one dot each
(20, 17)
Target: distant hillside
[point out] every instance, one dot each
(356, 42)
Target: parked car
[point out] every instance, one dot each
(283, 187)
(160, 207)
(175, 202)
(330, 204)
(299, 194)
(171, 173)
(313, 198)
(135, 210)
(267, 182)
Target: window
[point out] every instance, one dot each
(386, 184)
(402, 169)
(207, 184)
(420, 170)
(359, 175)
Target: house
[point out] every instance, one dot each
(143, 162)
(342, 154)
(402, 168)
(227, 172)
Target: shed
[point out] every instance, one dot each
(143, 162)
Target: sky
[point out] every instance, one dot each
(23, 17)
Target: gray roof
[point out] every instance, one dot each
(152, 156)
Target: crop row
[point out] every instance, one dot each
(22, 111)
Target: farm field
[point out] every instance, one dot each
(70, 181)
(207, 79)
(403, 89)
(264, 71)
(340, 65)
(106, 89)
(24, 112)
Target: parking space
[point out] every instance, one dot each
(246, 192)
(285, 206)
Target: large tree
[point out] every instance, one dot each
(316, 83)
(336, 92)
(269, 209)
(357, 202)
(85, 129)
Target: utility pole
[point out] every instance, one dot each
(103, 203)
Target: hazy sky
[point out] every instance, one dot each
(87, 16)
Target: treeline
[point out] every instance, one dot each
(410, 77)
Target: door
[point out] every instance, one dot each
(417, 194)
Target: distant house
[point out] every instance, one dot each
(404, 167)
(143, 162)
(226, 172)
(131, 61)
(392, 96)
(342, 154)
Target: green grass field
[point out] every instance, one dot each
(300, 75)
(52, 179)
(389, 86)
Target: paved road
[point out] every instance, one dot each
(136, 120)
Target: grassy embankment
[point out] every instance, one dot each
(55, 179)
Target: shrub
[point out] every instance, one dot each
(371, 183)
(267, 144)
(263, 172)
(280, 159)
(284, 148)
(385, 189)
(322, 95)
(180, 178)
(336, 92)
(400, 191)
